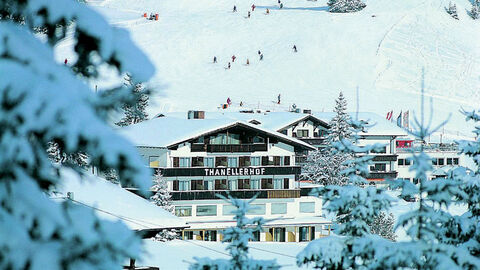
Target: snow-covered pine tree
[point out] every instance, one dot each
(324, 165)
(73, 159)
(383, 225)
(161, 194)
(135, 113)
(44, 101)
(475, 11)
(355, 208)
(452, 10)
(345, 6)
(237, 238)
(428, 225)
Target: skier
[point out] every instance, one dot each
(241, 103)
(281, 5)
(229, 101)
(66, 61)
(253, 7)
(248, 14)
(234, 8)
(228, 66)
(261, 56)
(259, 52)
(233, 58)
(294, 48)
(278, 99)
(248, 62)
(268, 11)
(214, 59)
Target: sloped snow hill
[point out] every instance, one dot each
(381, 49)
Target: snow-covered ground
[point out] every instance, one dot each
(381, 49)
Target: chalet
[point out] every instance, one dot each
(201, 158)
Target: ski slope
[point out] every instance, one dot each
(381, 49)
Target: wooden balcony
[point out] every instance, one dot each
(239, 194)
(229, 148)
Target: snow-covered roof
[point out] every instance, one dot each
(379, 125)
(170, 131)
(112, 202)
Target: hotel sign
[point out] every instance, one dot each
(224, 171)
(234, 171)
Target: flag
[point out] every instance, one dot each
(399, 119)
(389, 115)
(405, 120)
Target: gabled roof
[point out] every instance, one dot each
(168, 132)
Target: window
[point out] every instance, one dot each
(279, 208)
(286, 183)
(256, 236)
(378, 167)
(232, 162)
(185, 162)
(208, 161)
(434, 161)
(175, 185)
(232, 184)
(307, 207)
(183, 211)
(455, 161)
(257, 209)
(221, 161)
(258, 139)
(175, 162)
(279, 234)
(441, 161)
(243, 183)
(210, 235)
(208, 184)
(197, 185)
(278, 183)
(197, 162)
(449, 161)
(255, 183)
(302, 133)
(304, 233)
(206, 210)
(154, 161)
(286, 160)
(221, 184)
(187, 235)
(244, 161)
(219, 139)
(408, 162)
(277, 161)
(228, 210)
(264, 160)
(267, 183)
(183, 185)
(401, 162)
(255, 161)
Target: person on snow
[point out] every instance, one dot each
(278, 99)
(228, 66)
(66, 61)
(268, 11)
(259, 52)
(294, 48)
(261, 56)
(234, 8)
(281, 5)
(241, 103)
(214, 59)
(253, 7)
(248, 62)
(229, 101)
(233, 58)
(248, 14)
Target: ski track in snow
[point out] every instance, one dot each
(383, 55)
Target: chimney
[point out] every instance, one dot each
(307, 111)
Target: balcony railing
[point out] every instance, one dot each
(385, 157)
(229, 148)
(383, 175)
(240, 194)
